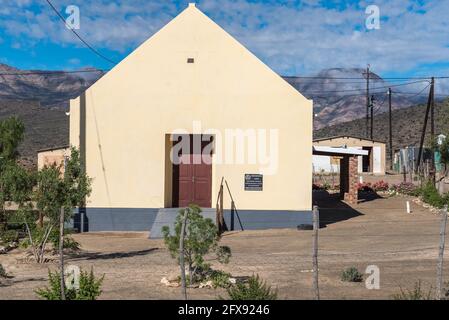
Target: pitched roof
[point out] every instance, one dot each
(347, 136)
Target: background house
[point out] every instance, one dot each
(48, 157)
(373, 163)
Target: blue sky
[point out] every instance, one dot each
(293, 37)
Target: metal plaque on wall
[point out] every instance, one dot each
(253, 182)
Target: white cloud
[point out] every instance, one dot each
(294, 40)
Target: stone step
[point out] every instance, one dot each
(167, 217)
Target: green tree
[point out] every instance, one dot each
(11, 135)
(54, 191)
(201, 238)
(12, 131)
(17, 185)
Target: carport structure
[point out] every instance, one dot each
(348, 169)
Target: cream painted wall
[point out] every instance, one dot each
(154, 91)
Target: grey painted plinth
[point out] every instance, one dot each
(153, 219)
(167, 217)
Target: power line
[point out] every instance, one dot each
(415, 94)
(377, 88)
(364, 79)
(27, 73)
(78, 36)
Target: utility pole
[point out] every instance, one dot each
(432, 109)
(367, 99)
(390, 128)
(432, 128)
(423, 133)
(372, 118)
(316, 227)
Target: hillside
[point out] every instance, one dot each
(49, 89)
(44, 127)
(41, 100)
(407, 125)
(336, 100)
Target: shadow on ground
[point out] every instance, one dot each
(10, 281)
(333, 209)
(111, 255)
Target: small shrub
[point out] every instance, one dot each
(406, 188)
(431, 195)
(364, 187)
(317, 187)
(380, 186)
(254, 289)
(69, 243)
(446, 291)
(223, 254)
(416, 294)
(351, 275)
(220, 279)
(9, 236)
(201, 238)
(89, 287)
(38, 234)
(3, 273)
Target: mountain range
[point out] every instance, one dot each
(44, 87)
(339, 94)
(41, 98)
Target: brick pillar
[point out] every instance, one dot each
(351, 193)
(344, 177)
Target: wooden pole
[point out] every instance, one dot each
(432, 129)
(390, 128)
(61, 253)
(367, 99)
(233, 204)
(439, 287)
(181, 255)
(371, 105)
(232, 215)
(316, 226)
(423, 133)
(221, 227)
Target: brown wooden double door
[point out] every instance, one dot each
(192, 180)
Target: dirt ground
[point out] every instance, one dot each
(376, 232)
